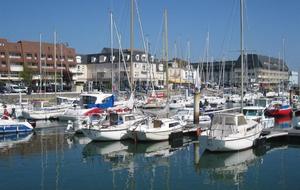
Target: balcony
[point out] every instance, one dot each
(16, 68)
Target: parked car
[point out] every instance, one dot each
(16, 88)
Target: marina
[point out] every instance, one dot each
(139, 112)
(51, 159)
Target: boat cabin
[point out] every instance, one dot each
(262, 102)
(117, 119)
(229, 119)
(253, 111)
(158, 123)
(224, 124)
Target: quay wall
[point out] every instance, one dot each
(13, 98)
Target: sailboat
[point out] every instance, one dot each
(159, 128)
(115, 126)
(232, 131)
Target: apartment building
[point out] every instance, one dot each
(39, 59)
(105, 70)
(265, 71)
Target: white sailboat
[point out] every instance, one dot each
(187, 115)
(232, 131)
(158, 129)
(113, 128)
(39, 111)
(155, 129)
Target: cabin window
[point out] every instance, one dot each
(88, 99)
(129, 118)
(250, 112)
(173, 124)
(241, 120)
(229, 121)
(250, 128)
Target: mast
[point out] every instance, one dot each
(55, 89)
(282, 70)
(242, 49)
(131, 45)
(112, 53)
(119, 72)
(61, 68)
(207, 47)
(40, 63)
(189, 64)
(166, 53)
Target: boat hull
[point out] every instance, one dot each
(231, 144)
(15, 127)
(279, 112)
(118, 133)
(152, 135)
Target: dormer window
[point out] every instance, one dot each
(102, 58)
(113, 58)
(144, 57)
(137, 57)
(93, 59)
(152, 58)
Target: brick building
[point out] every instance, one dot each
(14, 56)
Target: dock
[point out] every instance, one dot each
(272, 133)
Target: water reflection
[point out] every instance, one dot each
(73, 162)
(10, 140)
(228, 167)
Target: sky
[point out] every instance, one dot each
(271, 26)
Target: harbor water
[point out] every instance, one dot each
(49, 158)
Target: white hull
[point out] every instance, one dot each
(154, 105)
(42, 115)
(148, 133)
(14, 126)
(109, 134)
(176, 105)
(234, 143)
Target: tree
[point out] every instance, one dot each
(67, 76)
(26, 74)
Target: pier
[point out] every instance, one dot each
(275, 133)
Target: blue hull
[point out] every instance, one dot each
(14, 129)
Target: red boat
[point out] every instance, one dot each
(283, 122)
(279, 110)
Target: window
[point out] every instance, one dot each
(102, 58)
(14, 55)
(137, 57)
(242, 120)
(88, 100)
(173, 124)
(129, 118)
(2, 54)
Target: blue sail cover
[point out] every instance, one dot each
(106, 103)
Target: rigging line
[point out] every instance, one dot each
(143, 38)
(229, 23)
(123, 57)
(159, 36)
